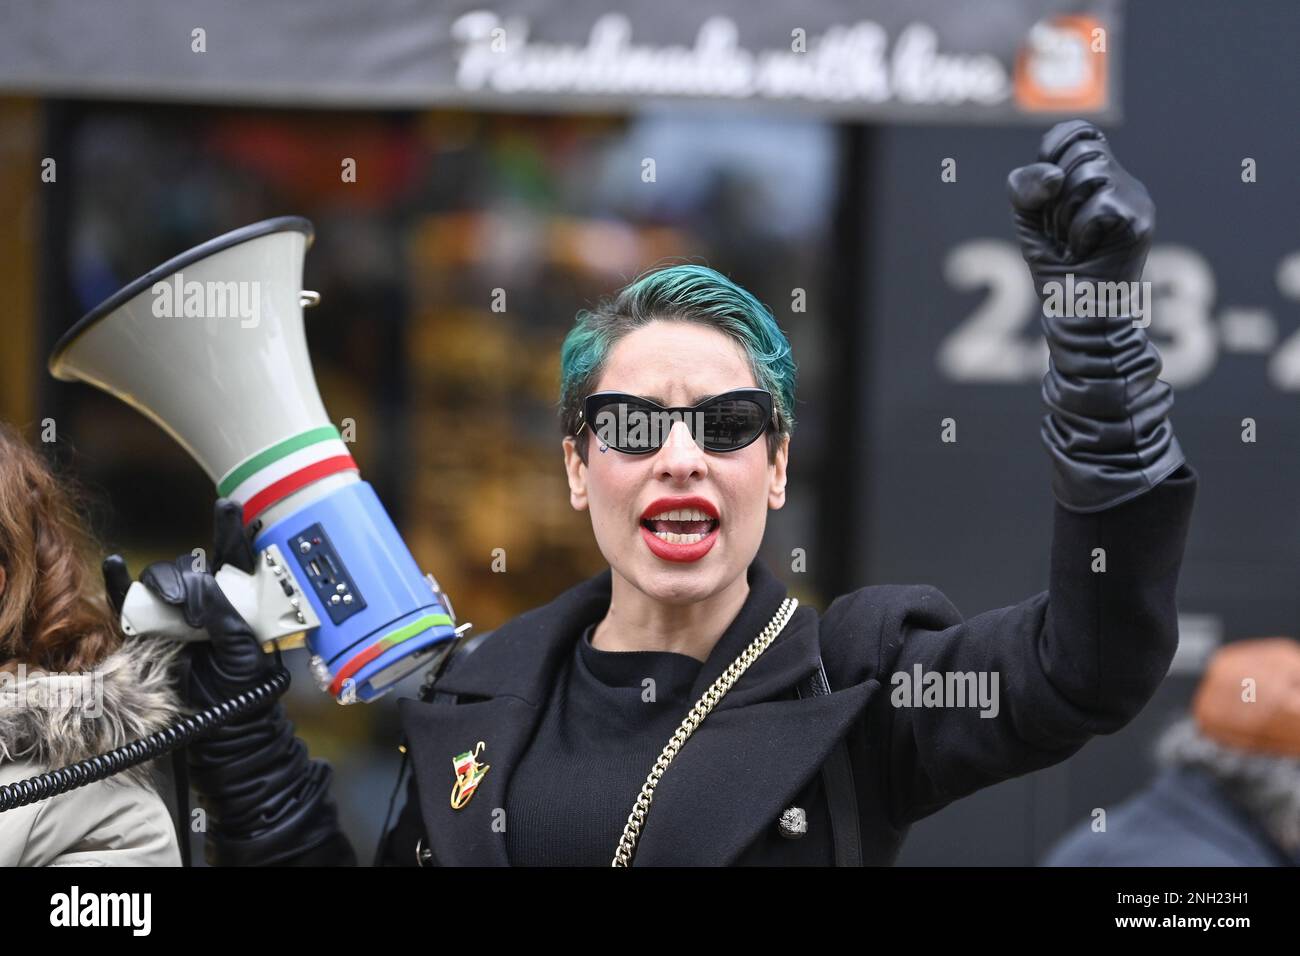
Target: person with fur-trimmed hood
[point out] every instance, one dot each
(71, 685)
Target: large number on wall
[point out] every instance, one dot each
(998, 344)
(989, 345)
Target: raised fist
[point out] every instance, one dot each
(1079, 211)
(1083, 221)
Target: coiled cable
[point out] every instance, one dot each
(159, 742)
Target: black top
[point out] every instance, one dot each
(609, 718)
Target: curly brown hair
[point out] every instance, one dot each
(54, 614)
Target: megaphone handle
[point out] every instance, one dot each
(271, 600)
(143, 612)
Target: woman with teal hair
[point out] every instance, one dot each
(681, 708)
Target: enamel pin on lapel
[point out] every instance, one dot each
(793, 823)
(468, 773)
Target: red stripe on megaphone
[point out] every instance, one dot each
(292, 482)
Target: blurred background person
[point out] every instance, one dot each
(71, 685)
(1228, 793)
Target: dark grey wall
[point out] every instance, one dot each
(1205, 85)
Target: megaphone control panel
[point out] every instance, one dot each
(327, 575)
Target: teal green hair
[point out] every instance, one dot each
(687, 293)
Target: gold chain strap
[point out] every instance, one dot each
(702, 708)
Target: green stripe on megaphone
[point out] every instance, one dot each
(273, 454)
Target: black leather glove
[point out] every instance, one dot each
(1078, 212)
(267, 802)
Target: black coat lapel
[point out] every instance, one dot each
(514, 669)
(731, 779)
(436, 734)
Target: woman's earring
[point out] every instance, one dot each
(603, 448)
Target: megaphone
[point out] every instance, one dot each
(211, 346)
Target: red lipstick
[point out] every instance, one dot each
(670, 551)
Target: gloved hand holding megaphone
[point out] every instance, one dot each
(230, 659)
(267, 802)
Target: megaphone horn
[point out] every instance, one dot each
(211, 346)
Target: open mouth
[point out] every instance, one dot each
(681, 526)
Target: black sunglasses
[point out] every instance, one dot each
(638, 426)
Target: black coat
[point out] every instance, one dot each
(1079, 659)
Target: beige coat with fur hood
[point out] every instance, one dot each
(49, 721)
